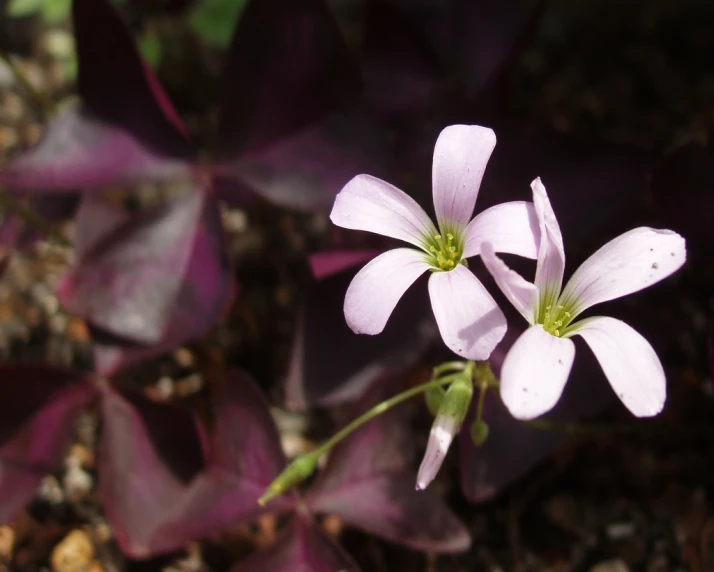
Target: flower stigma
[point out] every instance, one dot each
(556, 322)
(444, 252)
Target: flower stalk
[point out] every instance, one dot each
(303, 466)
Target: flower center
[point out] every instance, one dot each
(445, 252)
(556, 320)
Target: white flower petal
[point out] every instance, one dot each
(534, 372)
(368, 203)
(470, 321)
(440, 438)
(460, 157)
(629, 263)
(521, 293)
(509, 227)
(376, 289)
(629, 362)
(551, 254)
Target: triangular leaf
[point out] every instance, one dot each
(38, 410)
(474, 39)
(305, 170)
(302, 546)
(81, 149)
(116, 84)
(161, 491)
(287, 67)
(320, 376)
(158, 280)
(369, 483)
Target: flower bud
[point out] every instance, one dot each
(434, 397)
(479, 432)
(449, 417)
(295, 473)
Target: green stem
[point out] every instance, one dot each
(483, 390)
(40, 99)
(450, 366)
(381, 408)
(304, 465)
(9, 202)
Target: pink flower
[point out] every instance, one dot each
(469, 320)
(537, 366)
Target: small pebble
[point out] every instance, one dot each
(620, 530)
(76, 481)
(7, 540)
(616, 565)
(75, 553)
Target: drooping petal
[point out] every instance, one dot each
(629, 362)
(551, 253)
(368, 203)
(451, 414)
(368, 482)
(521, 293)
(629, 263)
(470, 322)
(460, 157)
(534, 372)
(509, 227)
(440, 438)
(376, 289)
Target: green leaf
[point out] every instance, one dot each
(22, 8)
(151, 47)
(55, 11)
(215, 20)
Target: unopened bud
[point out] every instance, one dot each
(479, 432)
(449, 417)
(295, 473)
(434, 397)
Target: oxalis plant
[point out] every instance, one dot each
(537, 365)
(291, 131)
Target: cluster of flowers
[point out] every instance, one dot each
(471, 324)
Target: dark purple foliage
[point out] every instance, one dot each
(470, 39)
(513, 448)
(165, 483)
(291, 52)
(159, 279)
(369, 482)
(38, 410)
(301, 546)
(318, 374)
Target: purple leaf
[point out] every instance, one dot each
(80, 149)
(512, 447)
(164, 485)
(402, 73)
(325, 264)
(39, 407)
(158, 280)
(305, 170)
(320, 376)
(474, 39)
(590, 184)
(287, 67)
(369, 483)
(116, 84)
(301, 547)
(96, 218)
(124, 130)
